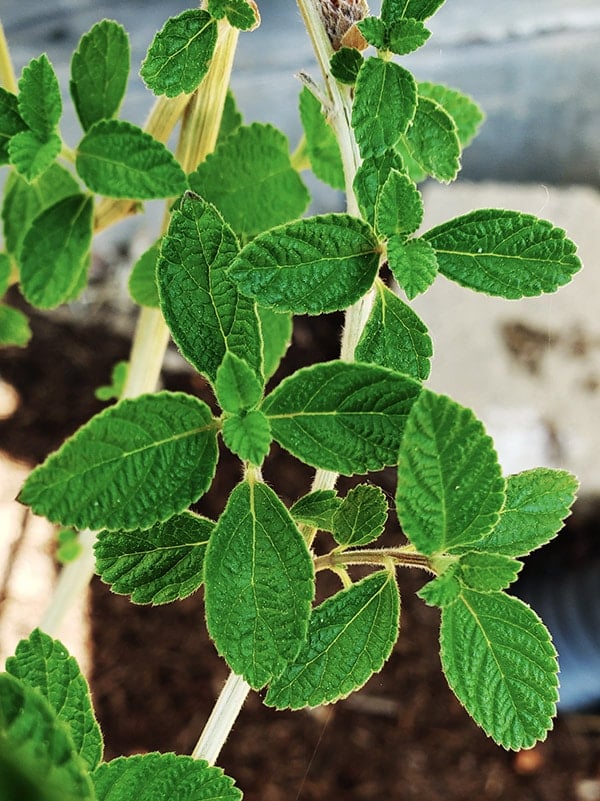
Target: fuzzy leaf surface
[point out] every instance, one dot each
(99, 72)
(250, 179)
(134, 464)
(317, 509)
(361, 516)
(154, 777)
(488, 572)
(392, 10)
(240, 14)
(14, 327)
(311, 266)
(206, 315)
(276, 333)
(450, 485)
(413, 263)
(375, 32)
(321, 144)
(56, 252)
(500, 662)
(345, 65)
(384, 105)
(161, 564)
(180, 53)
(39, 101)
(432, 140)
(32, 156)
(45, 664)
(237, 385)
(259, 584)
(248, 435)
(504, 253)
(442, 590)
(117, 159)
(11, 122)
(350, 637)
(399, 206)
(371, 177)
(395, 337)
(406, 35)
(465, 112)
(142, 281)
(341, 416)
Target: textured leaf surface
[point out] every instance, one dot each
(407, 35)
(276, 333)
(537, 502)
(259, 581)
(180, 53)
(399, 206)
(384, 105)
(161, 564)
(413, 263)
(465, 112)
(375, 32)
(321, 144)
(442, 590)
(361, 516)
(99, 72)
(37, 755)
(14, 327)
(488, 572)
(499, 661)
(504, 253)
(205, 313)
(142, 281)
(450, 486)
(132, 465)
(345, 64)
(152, 777)
(231, 119)
(118, 378)
(11, 122)
(44, 664)
(311, 266)
(237, 385)
(392, 10)
(118, 159)
(432, 140)
(350, 637)
(317, 509)
(394, 336)
(248, 435)
(370, 178)
(39, 102)
(250, 179)
(32, 156)
(344, 417)
(5, 270)
(242, 14)
(56, 252)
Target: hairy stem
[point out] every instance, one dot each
(373, 556)
(7, 72)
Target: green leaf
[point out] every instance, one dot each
(392, 10)
(321, 144)
(39, 102)
(68, 546)
(117, 383)
(504, 253)
(537, 502)
(99, 72)
(450, 486)
(442, 590)
(161, 564)
(237, 385)
(180, 53)
(361, 516)
(5, 270)
(248, 435)
(341, 416)
(38, 761)
(250, 179)
(11, 122)
(32, 156)
(311, 266)
(370, 178)
(276, 332)
(24, 201)
(399, 206)
(350, 637)
(465, 112)
(231, 118)
(384, 105)
(406, 35)
(45, 665)
(56, 252)
(206, 315)
(499, 661)
(240, 14)
(152, 777)
(432, 141)
(136, 463)
(259, 579)
(14, 327)
(395, 337)
(142, 281)
(488, 572)
(118, 159)
(317, 509)
(375, 32)
(345, 64)
(414, 264)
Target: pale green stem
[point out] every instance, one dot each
(7, 72)
(375, 557)
(222, 718)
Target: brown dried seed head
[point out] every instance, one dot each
(339, 16)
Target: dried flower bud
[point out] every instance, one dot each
(340, 18)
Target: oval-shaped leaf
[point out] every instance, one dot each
(340, 416)
(465, 112)
(259, 584)
(11, 122)
(421, 10)
(119, 159)
(399, 205)
(321, 144)
(14, 327)
(432, 141)
(450, 485)
(276, 333)
(317, 509)
(350, 637)
(361, 516)
(311, 266)
(504, 253)
(237, 385)
(500, 662)
(488, 572)
(142, 280)
(39, 101)
(413, 263)
(248, 435)
(134, 464)
(32, 156)
(370, 178)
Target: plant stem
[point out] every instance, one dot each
(7, 72)
(373, 556)
(221, 720)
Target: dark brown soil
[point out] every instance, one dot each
(156, 675)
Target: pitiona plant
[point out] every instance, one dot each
(235, 261)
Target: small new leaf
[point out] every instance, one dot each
(375, 32)
(488, 572)
(504, 253)
(238, 387)
(407, 35)
(370, 178)
(361, 516)
(321, 144)
(413, 263)
(399, 206)
(345, 64)
(442, 590)
(142, 281)
(311, 266)
(259, 584)
(39, 101)
(432, 141)
(248, 435)
(14, 327)
(118, 377)
(32, 156)
(161, 564)
(180, 53)
(242, 14)
(134, 464)
(350, 637)
(317, 509)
